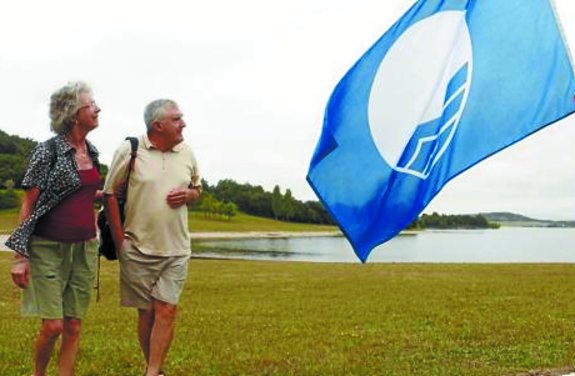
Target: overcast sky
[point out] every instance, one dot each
(252, 78)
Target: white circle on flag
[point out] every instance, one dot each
(411, 88)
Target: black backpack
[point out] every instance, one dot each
(106, 247)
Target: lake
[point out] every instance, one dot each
(504, 245)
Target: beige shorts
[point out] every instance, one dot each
(144, 278)
(61, 278)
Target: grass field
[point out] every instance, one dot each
(281, 318)
(244, 222)
(8, 220)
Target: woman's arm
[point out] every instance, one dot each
(20, 267)
(28, 202)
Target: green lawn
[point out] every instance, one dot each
(243, 222)
(8, 220)
(200, 223)
(284, 318)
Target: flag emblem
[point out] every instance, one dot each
(414, 75)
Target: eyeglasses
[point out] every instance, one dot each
(90, 105)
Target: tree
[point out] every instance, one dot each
(452, 221)
(207, 204)
(277, 202)
(14, 153)
(12, 167)
(229, 209)
(9, 198)
(9, 184)
(289, 206)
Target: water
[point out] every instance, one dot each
(513, 244)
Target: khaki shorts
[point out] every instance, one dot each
(61, 278)
(144, 278)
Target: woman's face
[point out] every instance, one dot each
(88, 112)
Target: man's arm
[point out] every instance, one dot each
(113, 187)
(112, 211)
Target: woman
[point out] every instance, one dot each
(55, 243)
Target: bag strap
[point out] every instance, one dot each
(52, 147)
(134, 153)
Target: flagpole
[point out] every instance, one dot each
(562, 33)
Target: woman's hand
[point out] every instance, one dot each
(21, 271)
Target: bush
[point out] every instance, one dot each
(9, 199)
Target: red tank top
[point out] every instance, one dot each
(73, 220)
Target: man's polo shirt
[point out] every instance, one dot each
(151, 225)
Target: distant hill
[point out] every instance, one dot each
(506, 217)
(518, 220)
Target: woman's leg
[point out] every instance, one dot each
(49, 333)
(70, 344)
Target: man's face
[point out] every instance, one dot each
(172, 125)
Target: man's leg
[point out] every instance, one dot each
(49, 333)
(145, 324)
(161, 335)
(70, 344)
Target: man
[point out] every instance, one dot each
(154, 243)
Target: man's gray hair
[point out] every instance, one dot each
(64, 105)
(156, 110)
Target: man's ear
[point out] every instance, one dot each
(157, 125)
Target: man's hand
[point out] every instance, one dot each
(180, 196)
(21, 272)
(99, 196)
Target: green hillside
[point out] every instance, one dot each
(242, 222)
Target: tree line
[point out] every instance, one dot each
(457, 221)
(224, 199)
(14, 152)
(255, 200)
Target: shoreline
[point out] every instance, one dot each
(262, 235)
(230, 235)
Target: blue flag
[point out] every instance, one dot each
(451, 83)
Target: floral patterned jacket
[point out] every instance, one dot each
(52, 169)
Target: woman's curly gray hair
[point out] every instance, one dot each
(64, 105)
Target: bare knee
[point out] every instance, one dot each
(164, 312)
(52, 328)
(72, 327)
